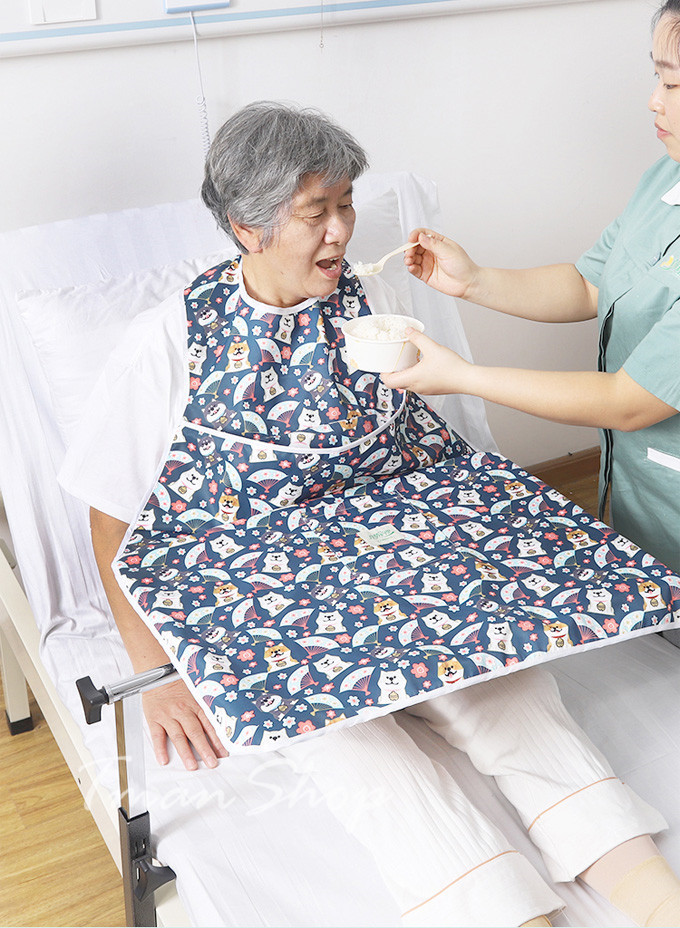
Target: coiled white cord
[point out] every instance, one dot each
(200, 99)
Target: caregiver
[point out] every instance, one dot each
(630, 279)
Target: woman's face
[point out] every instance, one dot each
(304, 260)
(665, 101)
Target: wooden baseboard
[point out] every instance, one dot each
(570, 467)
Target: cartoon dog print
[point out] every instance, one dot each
(651, 595)
(330, 622)
(274, 602)
(309, 419)
(624, 545)
(415, 522)
(539, 585)
(287, 496)
(435, 582)
(351, 304)
(216, 663)
(600, 601)
(188, 483)
(529, 547)
(440, 622)
(215, 410)
(383, 397)
(207, 317)
(272, 705)
(168, 573)
(387, 610)
(224, 546)
(415, 557)
(226, 594)
(474, 529)
(197, 355)
(276, 562)
(419, 481)
(146, 520)
(500, 637)
(269, 384)
(331, 665)
(278, 657)
(558, 634)
(168, 599)
(271, 736)
(315, 383)
(285, 329)
(228, 507)
(425, 420)
(238, 355)
(392, 684)
(516, 489)
(450, 671)
(328, 555)
(469, 498)
(579, 538)
(226, 723)
(489, 571)
(207, 446)
(260, 453)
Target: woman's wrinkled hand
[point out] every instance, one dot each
(439, 370)
(441, 263)
(172, 712)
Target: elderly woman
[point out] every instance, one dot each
(279, 181)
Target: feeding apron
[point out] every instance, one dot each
(320, 549)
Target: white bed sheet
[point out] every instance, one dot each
(247, 845)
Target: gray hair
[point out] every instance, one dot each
(259, 158)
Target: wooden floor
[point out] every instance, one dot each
(54, 867)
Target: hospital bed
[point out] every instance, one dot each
(249, 843)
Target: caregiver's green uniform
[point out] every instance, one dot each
(636, 266)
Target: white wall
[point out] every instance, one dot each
(532, 121)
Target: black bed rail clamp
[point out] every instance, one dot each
(93, 699)
(142, 875)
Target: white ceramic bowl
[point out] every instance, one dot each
(380, 355)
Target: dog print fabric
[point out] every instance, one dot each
(319, 549)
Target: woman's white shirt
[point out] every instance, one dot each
(128, 425)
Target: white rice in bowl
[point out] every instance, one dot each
(380, 328)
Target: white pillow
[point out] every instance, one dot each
(73, 329)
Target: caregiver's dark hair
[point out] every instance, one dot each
(670, 8)
(260, 157)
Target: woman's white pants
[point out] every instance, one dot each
(444, 862)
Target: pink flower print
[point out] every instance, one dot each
(304, 319)
(511, 660)
(622, 587)
(333, 412)
(304, 727)
(229, 680)
(419, 670)
(457, 569)
(246, 655)
(247, 716)
(179, 505)
(194, 382)
(611, 626)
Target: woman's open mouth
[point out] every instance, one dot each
(330, 267)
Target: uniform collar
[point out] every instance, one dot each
(673, 196)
